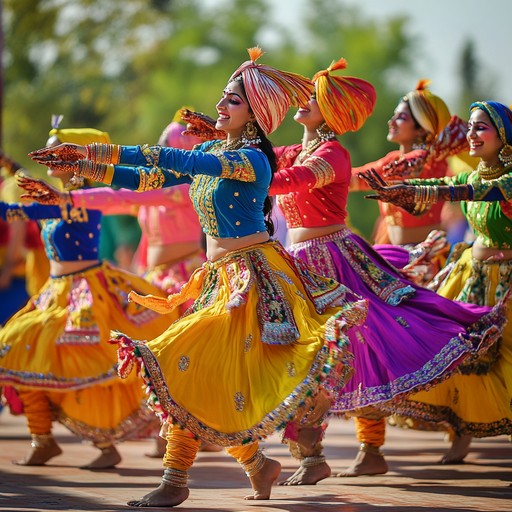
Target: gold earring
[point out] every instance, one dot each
(250, 134)
(505, 155)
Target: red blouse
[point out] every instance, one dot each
(313, 193)
(394, 215)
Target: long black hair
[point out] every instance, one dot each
(266, 146)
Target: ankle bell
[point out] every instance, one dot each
(370, 448)
(42, 440)
(175, 477)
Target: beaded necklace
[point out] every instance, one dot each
(491, 172)
(233, 144)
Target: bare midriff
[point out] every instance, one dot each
(218, 247)
(399, 235)
(168, 254)
(484, 253)
(296, 235)
(61, 268)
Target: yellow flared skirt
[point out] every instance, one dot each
(478, 399)
(59, 343)
(253, 346)
(59, 340)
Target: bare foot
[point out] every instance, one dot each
(163, 496)
(108, 458)
(262, 481)
(39, 455)
(366, 463)
(159, 450)
(209, 447)
(309, 475)
(458, 450)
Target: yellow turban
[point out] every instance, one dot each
(80, 136)
(429, 110)
(345, 102)
(270, 91)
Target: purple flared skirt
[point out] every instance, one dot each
(412, 337)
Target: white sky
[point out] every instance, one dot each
(443, 27)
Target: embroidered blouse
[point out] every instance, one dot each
(68, 233)
(228, 188)
(491, 221)
(394, 215)
(315, 192)
(166, 215)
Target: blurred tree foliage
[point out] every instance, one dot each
(126, 66)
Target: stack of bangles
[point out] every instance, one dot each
(103, 153)
(101, 173)
(424, 197)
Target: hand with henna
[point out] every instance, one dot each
(408, 166)
(201, 125)
(40, 191)
(400, 195)
(66, 152)
(8, 163)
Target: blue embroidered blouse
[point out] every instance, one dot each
(228, 188)
(68, 233)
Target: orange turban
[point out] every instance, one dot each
(429, 110)
(270, 91)
(345, 102)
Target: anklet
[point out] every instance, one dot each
(175, 477)
(369, 448)
(316, 460)
(41, 440)
(254, 464)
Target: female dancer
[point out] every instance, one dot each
(411, 337)
(261, 332)
(475, 401)
(55, 350)
(170, 248)
(427, 135)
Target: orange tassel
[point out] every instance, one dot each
(255, 53)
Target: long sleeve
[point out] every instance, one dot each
(35, 211)
(316, 172)
(122, 201)
(207, 160)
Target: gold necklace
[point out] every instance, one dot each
(232, 145)
(490, 172)
(310, 148)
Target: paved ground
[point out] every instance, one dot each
(415, 483)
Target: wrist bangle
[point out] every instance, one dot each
(452, 193)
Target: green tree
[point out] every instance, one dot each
(473, 86)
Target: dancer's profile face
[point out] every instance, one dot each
(233, 110)
(402, 128)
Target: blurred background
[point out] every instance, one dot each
(126, 66)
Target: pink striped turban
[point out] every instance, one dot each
(270, 91)
(344, 101)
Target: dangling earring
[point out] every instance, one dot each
(250, 134)
(325, 133)
(505, 155)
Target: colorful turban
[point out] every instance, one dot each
(80, 136)
(345, 102)
(270, 91)
(429, 110)
(501, 117)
